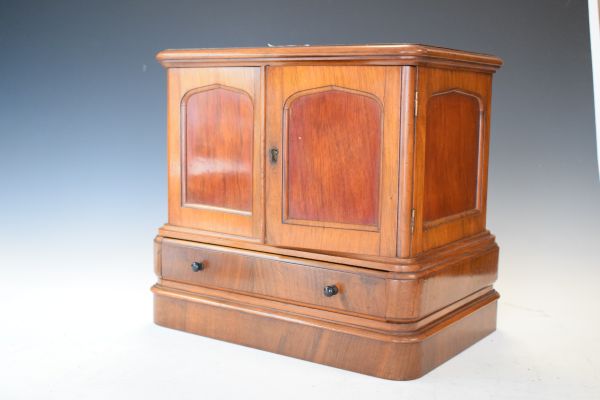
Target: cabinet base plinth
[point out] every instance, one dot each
(404, 356)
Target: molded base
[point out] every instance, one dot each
(404, 356)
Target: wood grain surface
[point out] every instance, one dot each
(226, 135)
(383, 54)
(451, 154)
(218, 151)
(397, 357)
(368, 215)
(450, 174)
(357, 169)
(333, 153)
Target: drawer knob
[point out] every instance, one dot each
(197, 266)
(330, 290)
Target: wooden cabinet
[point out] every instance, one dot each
(335, 196)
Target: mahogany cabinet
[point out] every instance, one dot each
(328, 203)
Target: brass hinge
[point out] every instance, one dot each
(416, 104)
(412, 220)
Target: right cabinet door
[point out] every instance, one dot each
(332, 158)
(452, 143)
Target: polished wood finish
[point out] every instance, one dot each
(451, 154)
(239, 208)
(329, 202)
(284, 278)
(373, 294)
(373, 85)
(218, 148)
(469, 152)
(383, 54)
(408, 109)
(391, 356)
(333, 154)
(400, 265)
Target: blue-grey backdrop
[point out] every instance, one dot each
(82, 115)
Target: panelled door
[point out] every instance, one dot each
(332, 158)
(215, 159)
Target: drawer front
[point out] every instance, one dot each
(273, 276)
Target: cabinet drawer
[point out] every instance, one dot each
(272, 276)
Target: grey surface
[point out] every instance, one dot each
(83, 172)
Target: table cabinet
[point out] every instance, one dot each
(329, 203)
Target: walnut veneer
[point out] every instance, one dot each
(328, 203)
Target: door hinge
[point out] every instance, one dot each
(412, 220)
(416, 104)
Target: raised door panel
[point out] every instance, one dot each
(451, 156)
(215, 150)
(218, 148)
(329, 176)
(334, 184)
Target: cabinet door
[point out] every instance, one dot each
(215, 150)
(332, 151)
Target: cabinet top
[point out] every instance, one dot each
(384, 54)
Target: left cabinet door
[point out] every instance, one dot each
(214, 149)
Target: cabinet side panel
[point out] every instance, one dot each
(451, 155)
